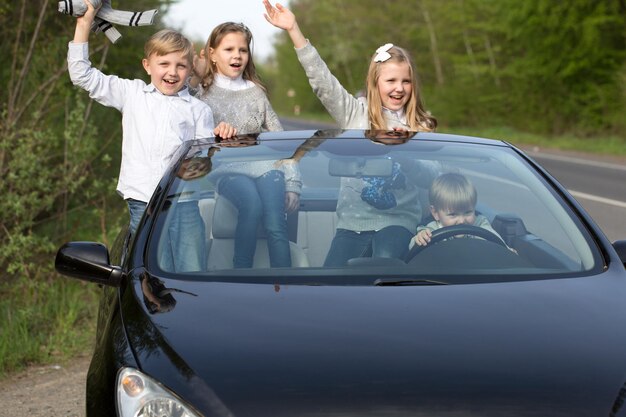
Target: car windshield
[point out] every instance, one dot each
(358, 205)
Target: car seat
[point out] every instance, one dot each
(221, 245)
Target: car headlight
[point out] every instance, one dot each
(138, 395)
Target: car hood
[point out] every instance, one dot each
(551, 347)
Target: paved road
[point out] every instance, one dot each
(598, 183)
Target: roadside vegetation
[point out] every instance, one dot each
(59, 159)
(537, 72)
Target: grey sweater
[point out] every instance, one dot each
(248, 110)
(357, 215)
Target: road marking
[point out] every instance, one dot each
(589, 162)
(598, 199)
(574, 193)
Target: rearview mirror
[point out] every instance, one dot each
(360, 167)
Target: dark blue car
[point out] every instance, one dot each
(522, 315)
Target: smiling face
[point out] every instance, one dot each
(169, 72)
(194, 168)
(394, 85)
(231, 55)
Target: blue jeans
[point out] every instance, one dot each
(258, 200)
(136, 209)
(186, 251)
(390, 242)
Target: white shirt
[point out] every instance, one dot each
(234, 84)
(395, 118)
(153, 125)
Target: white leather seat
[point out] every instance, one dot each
(222, 242)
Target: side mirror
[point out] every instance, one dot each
(620, 248)
(88, 261)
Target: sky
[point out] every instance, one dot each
(196, 19)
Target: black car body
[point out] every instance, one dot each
(466, 327)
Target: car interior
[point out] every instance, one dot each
(544, 236)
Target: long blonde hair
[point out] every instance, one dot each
(215, 38)
(417, 118)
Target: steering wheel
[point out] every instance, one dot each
(447, 232)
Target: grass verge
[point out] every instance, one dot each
(44, 316)
(45, 321)
(602, 145)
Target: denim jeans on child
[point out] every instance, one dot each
(187, 239)
(390, 242)
(258, 200)
(136, 209)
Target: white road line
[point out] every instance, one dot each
(576, 194)
(585, 196)
(589, 162)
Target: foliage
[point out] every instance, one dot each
(58, 161)
(538, 65)
(44, 320)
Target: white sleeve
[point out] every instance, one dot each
(205, 125)
(108, 90)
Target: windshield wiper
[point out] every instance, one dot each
(391, 282)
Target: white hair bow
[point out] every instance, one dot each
(107, 16)
(381, 53)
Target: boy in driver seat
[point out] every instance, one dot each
(452, 202)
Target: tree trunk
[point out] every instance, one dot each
(492, 60)
(433, 45)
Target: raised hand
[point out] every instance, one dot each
(84, 23)
(283, 18)
(279, 16)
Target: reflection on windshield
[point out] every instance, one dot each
(251, 207)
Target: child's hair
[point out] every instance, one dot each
(417, 118)
(388, 136)
(215, 38)
(452, 191)
(167, 41)
(195, 167)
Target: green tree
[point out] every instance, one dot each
(59, 161)
(561, 62)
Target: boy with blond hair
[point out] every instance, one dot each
(156, 117)
(453, 201)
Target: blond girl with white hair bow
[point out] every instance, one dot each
(393, 96)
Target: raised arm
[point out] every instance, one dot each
(283, 18)
(84, 23)
(346, 109)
